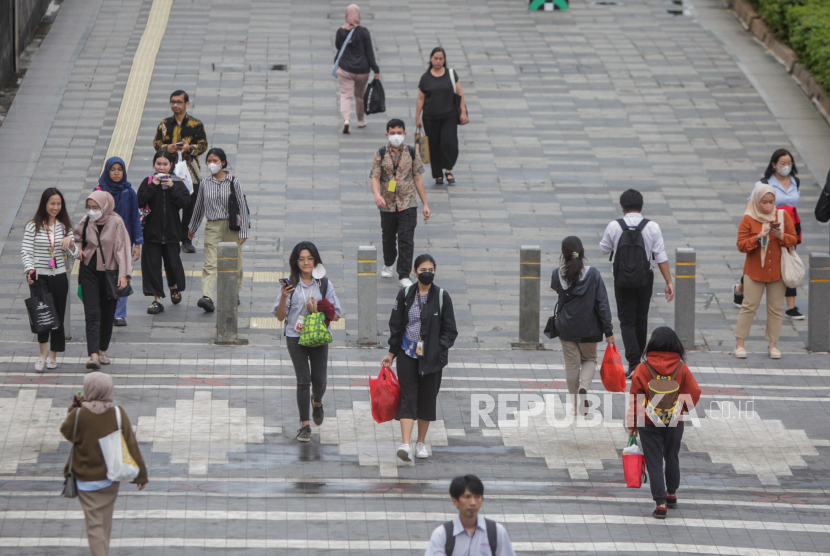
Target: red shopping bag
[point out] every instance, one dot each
(612, 371)
(386, 393)
(634, 464)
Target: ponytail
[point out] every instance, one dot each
(573, 259)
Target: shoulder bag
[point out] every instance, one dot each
(70, 487)
(550, 328)
(458, 98)
(340, 54)
(792, 268)
(111, 277)
(120, 463)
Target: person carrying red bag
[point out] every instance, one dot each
(664, 354)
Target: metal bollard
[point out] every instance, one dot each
(818, 313)
(684, 295)
(530, 268)
(367, 295)
(227, 309)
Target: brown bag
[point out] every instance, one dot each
(422, 146)
(668, 407)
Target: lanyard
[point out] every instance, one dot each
(395, 163)
(51, 242)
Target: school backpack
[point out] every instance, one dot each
(492, 537)
(632, 267)
(668, 408)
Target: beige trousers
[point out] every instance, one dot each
(580, 364)
(98, 506)
(753, 292)
(352, 85)
(217, 231)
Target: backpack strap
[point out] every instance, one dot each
(411, 152)
(323, 284)
(677, 370)
(440, 302)
(492, 535)
(449, 544)
(641, 226)
(382, 152)
(765, 181)
(651, 370)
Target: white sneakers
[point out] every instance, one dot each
(405, 282)
(387, 272)
(405, 452)
(421, 451)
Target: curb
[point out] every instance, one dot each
(788, 58)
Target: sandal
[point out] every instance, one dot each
(175, 296)
(155, 308)
(450, 178)
(671, 501)
(439, 181)
(103, 359)
(660, 512)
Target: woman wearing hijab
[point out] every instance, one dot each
(762, 236)
(113, 180)
(354, 65)
(96, 418)
(102, 238)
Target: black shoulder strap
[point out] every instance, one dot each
(492, 535)
(765, 181)
(324, 287)
(83, 234)
(382, 152)
(642, 225)
(449, 544)
(411, 151)
(797, 182)
(623, 224)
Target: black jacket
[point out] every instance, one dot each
(438, 335)
(586, 316)
(163, 224)
(359, 56)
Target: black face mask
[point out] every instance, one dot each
(426, 278)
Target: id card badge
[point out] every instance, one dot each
(393, 185)
(299, 326)
(419, 348)
(52, 263)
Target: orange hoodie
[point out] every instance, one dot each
(664, 363)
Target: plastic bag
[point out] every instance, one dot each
(374, 100)
(612, 371)
(634, 464)
(120, 463)
(386, 394)
(183, 173)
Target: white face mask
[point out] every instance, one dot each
(785, 170)
(396, 140)
(94, 214)
(318, 272)
(214, 168)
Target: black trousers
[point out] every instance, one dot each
(99, 310)
(187, 214)
(398, 237)
(310, 366)
(443, 142)
(662, 444)
(152, 257)
(58, 286)
(632, 310)
(419, 393)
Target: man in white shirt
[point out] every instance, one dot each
(468, 533)
(634, 259)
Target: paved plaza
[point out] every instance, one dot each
(568, 109)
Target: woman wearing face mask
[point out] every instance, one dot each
(306, 291)
(113, 180)
(102, 238)
(164, 197)
(421, 332)
(781, 174)
(762, 237)
(47, 243)
(212, 203)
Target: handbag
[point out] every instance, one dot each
(70, 487)
(111, 277)
(340, 54)
(183, 173)
(42, 314)
(422, 145)
(315, 332)
(235, 220)
(458, 98)
(792, 268)
(120, 463)
(550, 328)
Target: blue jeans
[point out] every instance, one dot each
(121, 308)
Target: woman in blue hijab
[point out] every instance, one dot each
(114, 181)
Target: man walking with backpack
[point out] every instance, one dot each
(396, 177)
(635, 245)
(469, 534)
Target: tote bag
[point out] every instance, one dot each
(183, 172)
(120, 463)
(422, 144)
(43, 317)
(792, 268)
(315, 333)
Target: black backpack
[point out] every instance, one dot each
(632, 267)
(492, 537)
(823, 205)
(382, 152)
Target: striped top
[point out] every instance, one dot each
(212, 202)
(39, 248)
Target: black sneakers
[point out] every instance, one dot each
(187, 247)
(317, 414)
(304, 434)
(794, 314)
(206, 303)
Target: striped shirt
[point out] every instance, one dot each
(39, 248)
(212, 202)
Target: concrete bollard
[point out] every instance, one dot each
(684, 295)
(818, 312)
(530, 268)
(227, 307)
(367, 295)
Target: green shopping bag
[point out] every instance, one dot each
(80, 293)
(315, 333)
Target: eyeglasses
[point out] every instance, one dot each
(176, 102)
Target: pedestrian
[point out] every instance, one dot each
(91, 418)
(583, 318)
(421, 332)
(113, 180)
(436, 99)
(664, 359)
(316, 294)
(822, 210)
(781, 175)
(47, 243)
(105, 245)
(163, 194)
(182, 134)
(357, 58)
(213, 203)
(761, 235)
(396, 177)
(469, 531)
(636, 245)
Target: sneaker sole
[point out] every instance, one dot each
(425, 456)
(303, 439)
(671, 506)
(403, 455)
(93, 367)
(802, 317)
(202, 305)
(657, 516)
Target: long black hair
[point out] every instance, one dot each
(41, 218)
(295, 256)
(665, 339)
(431, 54)
(774, 160)
(573, 256)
